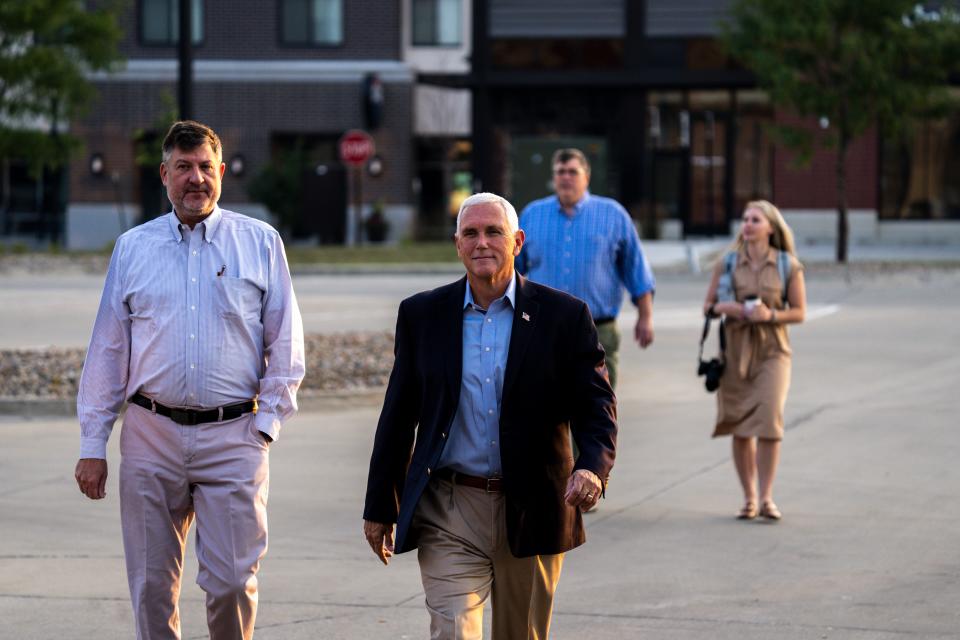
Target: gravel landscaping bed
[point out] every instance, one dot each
(343, 362)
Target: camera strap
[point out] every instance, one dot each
(706, 332)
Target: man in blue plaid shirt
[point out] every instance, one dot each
(587, 246)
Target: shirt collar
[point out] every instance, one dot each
(578, 207)
(210, 224)
(742, 257)
(510, 294)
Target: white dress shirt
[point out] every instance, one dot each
(196, 318)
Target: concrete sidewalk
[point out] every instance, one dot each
(867, 484)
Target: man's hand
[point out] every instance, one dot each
(91, 475)
(643, 331)
(583, 489)
(380, 538)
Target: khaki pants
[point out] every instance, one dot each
(609, 336)
(465, 560)
(170, 473)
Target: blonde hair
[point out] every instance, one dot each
(782, 236)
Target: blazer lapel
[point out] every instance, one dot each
(452, 342)
(524, 321)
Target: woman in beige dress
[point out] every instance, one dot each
(753, 388)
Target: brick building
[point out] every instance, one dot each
(676, 131)
(478, 93)
(268, 76)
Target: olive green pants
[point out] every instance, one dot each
(610, 341)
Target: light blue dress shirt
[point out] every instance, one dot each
(593, 254)
(473, 446)
(194, 318)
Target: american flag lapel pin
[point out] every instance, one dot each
(525, 316)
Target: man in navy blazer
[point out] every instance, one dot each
(472, 459)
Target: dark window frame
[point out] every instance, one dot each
(311, 43)
(172, 42)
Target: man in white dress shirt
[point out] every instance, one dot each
(199, 330)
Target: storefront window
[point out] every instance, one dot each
(753, 155)
(920, 172)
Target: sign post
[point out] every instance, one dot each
(356, 147)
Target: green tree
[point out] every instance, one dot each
(857, 63)
(47, 50)
(279, 186)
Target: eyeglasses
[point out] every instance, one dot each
(567, 172)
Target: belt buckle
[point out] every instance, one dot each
(183, 416)
(490, 482)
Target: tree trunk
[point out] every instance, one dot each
(842, 224)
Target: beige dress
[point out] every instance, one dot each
(753, 389)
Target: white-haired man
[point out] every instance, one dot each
(492, 373)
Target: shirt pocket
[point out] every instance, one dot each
(238, 298)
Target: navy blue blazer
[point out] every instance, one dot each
(555, 384)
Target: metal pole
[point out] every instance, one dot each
(185, 56)
(358, 205)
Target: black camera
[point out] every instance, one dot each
(713, 370)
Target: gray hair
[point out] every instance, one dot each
(483, 198)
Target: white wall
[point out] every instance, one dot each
(816, 226)
(439, 111)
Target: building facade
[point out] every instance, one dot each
(675, 129)
(477, 94)
(274, 79)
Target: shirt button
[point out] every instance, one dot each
(490, 411)
(192, 394)
(193, 366)
(193, 307)
(489, 319)
(194, 253)
(193, 279)
(493, 442)
(487, 349)
(192, 337)
(428, 470)
(488, 379)
(443, 435)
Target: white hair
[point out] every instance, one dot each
(483, 198)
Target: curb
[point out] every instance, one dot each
(310, 402)
(387, 268)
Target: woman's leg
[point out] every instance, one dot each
(745, 460)
(768, 456)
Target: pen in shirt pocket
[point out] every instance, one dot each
(222, 271)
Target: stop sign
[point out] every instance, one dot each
(356, 147)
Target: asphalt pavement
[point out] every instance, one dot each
(867, 548)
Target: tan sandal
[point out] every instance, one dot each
(770, 511)
(748, 512)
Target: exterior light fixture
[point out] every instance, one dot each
(97, 165)
(375, 166)
(238, 164)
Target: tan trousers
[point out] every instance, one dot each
(465, 560)
(170, 473)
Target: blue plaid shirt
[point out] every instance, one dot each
(593, 254)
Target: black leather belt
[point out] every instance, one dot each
(599, 321)
(490, 485)
(194, 416)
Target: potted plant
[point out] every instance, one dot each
(376, 225)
